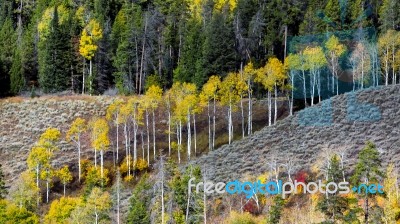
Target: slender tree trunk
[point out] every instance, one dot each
(209, 127)
(118, 198)
(250, 112)
(95, 158)
(148, 137)
(189, 137)
(143, 52)
(154, 135)
(169, 132)
(117, 140)
(275, 104)
(242, 113)
(143, 153)
(269, 108)
(90, 77)
(214, 112)
(83, 76)
(64, 189)
(102, 163)
(304, 88)
(195, 134)
(47, 191)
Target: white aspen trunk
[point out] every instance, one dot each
(102, 163)
(269, 108)
(291, 97)
(126, 147)
(95, 158)
(229, 124)
(148, 137)
(362, 70)
(189, 137)
(64, 188)
(333, 71)
(213, 138)
(135, 128)
(90, 77)
(141, 134)
(142, 58)
(304, 88)
(154, 135)
(249, 116)
(79, 159)
(242, 113)
(319, 85)
(47, 190)
(209, 127)
(195, 134)
(312, 81)
(117, 140)
(37, 175)
(275, 103)
(169, 132)
(83, 76)
(118, 199)
(387, 67)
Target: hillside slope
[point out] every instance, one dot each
(343, 123)
(22, 121)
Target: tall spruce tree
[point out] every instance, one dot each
(55, 63)
(3, 190)
(367, 171)
(335, 207)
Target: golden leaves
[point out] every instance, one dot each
(78, 126)
(91, 34)
(100, 129)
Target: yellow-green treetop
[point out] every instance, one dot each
(274, 72)
(49, 138)
(293, 62)
(221, 4)
(38, 157)
(154, 96)
(210, 89)
(91, 34)
(334, 47)
(113, 110)
(78, 126)
(64, 174)
(100, 129)
(60, 210)
(228, 93)
(93, 176)
(45, 21)
(26, 192)
(314, 57)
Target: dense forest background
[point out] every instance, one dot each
(96, 45)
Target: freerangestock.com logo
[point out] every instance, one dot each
(282, 188)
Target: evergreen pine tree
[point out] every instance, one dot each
(276, 210)
(55, 64)
(336, 208)
(3, 190)
(17, 80)
(367, 171)
(7, 45)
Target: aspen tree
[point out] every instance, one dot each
(100, 140)
(113, 113)
(249, 74)
(209, 94)
(74, 134)
(90, 36)
(315, 61)
(229, 97)
(154, 96)
(334, 51)
(65, 176)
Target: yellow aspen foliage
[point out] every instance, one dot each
(47, 16)
(221, 4)
(123, 168)
(391, 202)
(65, 175)
(334, 47)
(113, 110)
(228, 92)
(154, 96)
(91, 34)
(78, 126)
(100, 129)
(49, 137)
(25, 192)
(141, 165)
(293, 62)
(61, 209)
(38, 157)
(315, 58)
(195, 7)
(210, 90)
(93, 176)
